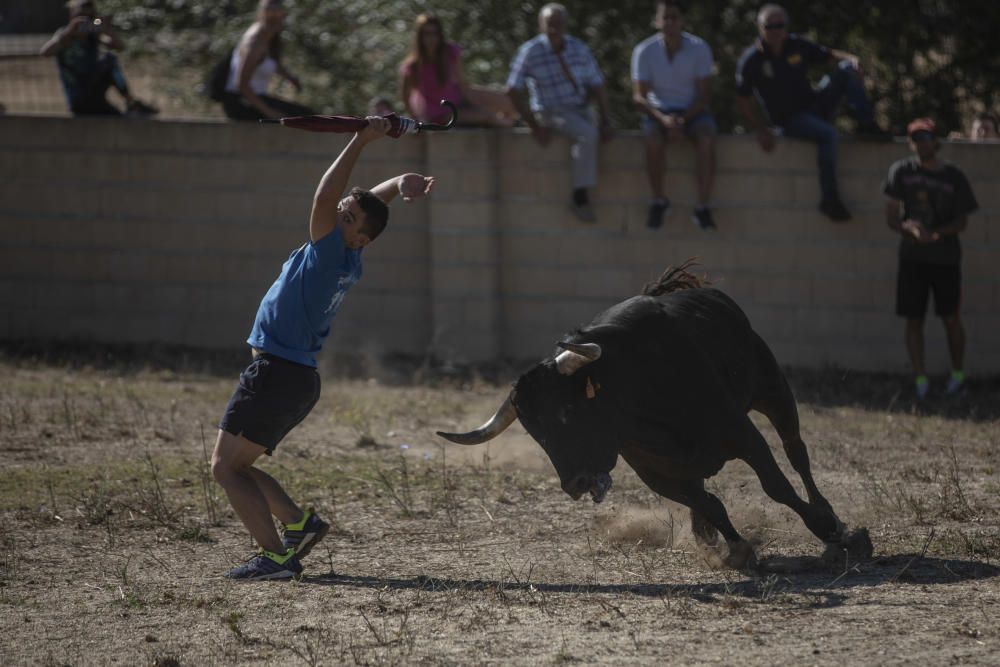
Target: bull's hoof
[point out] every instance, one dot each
(741, 557)
(852, 548)
(704, 532)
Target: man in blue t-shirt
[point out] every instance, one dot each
(280, 386)
(774, 69)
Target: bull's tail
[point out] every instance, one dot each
(676, 278)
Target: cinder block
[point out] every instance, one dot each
(450, 215)
(449, 147)
(467, 281)
(781, 289)
(846, 292)
(752, 188)
(537, 281)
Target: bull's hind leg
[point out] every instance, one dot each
(819, 519)
(773, 398)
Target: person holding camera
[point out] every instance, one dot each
(85, 69)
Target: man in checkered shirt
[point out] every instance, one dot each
(562, 77)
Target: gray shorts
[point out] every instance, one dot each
(703, 123)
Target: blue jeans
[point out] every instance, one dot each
(815, 125)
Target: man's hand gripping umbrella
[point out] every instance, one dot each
(399, 125)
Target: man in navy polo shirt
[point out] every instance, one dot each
(774, 69)
(280, 386)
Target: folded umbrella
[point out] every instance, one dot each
(399, 125)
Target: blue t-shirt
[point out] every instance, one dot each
(672, 82)
(294, 316)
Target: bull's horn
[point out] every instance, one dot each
(576, 356)
(503, 418)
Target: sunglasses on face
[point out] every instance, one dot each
(774, 26)
(922, 135)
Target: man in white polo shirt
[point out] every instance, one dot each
(672, 84)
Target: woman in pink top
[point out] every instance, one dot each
(432, 72)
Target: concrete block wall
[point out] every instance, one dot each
(169, 231)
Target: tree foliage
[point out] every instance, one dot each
(921, 57)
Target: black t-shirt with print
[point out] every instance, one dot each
(780, 81)
(935, 199)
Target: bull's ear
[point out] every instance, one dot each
(576, 356)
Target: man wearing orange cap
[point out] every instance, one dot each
(929, 204)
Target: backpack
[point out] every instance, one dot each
(218, 76)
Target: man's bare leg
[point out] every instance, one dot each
(232, 467)
(915, 345)
(655, 154)
(281, 506)
(956, 340)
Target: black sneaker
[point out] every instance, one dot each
(835, 210)
(657, 211)
(267, 566)
(305, 534)
(702, 218)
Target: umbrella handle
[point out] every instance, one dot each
(436, 127)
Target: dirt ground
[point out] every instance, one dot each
(114, 537)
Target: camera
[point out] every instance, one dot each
(94, 26)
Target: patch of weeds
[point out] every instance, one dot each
(359, 416)
(232, 621)
(563, 656)
(392, 642)
(397, 485)
(166, 661)
(194, 533)
(974, 544)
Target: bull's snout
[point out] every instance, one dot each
(598, 486)
(577, 486)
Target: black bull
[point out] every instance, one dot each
(667, 384)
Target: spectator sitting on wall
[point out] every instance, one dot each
(432, 71)
(85, 70)
(929, 203)
(984, 128)
(774, 68)
(562, 77)
(672, 83)
(254, 60)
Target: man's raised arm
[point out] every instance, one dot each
(408, 186)
(323, 218)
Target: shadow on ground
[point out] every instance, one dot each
(819, 585)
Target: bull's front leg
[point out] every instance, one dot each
(693, 495)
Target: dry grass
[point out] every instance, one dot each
(113, 536)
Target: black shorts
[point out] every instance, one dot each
(273, 396)
(915, 282)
